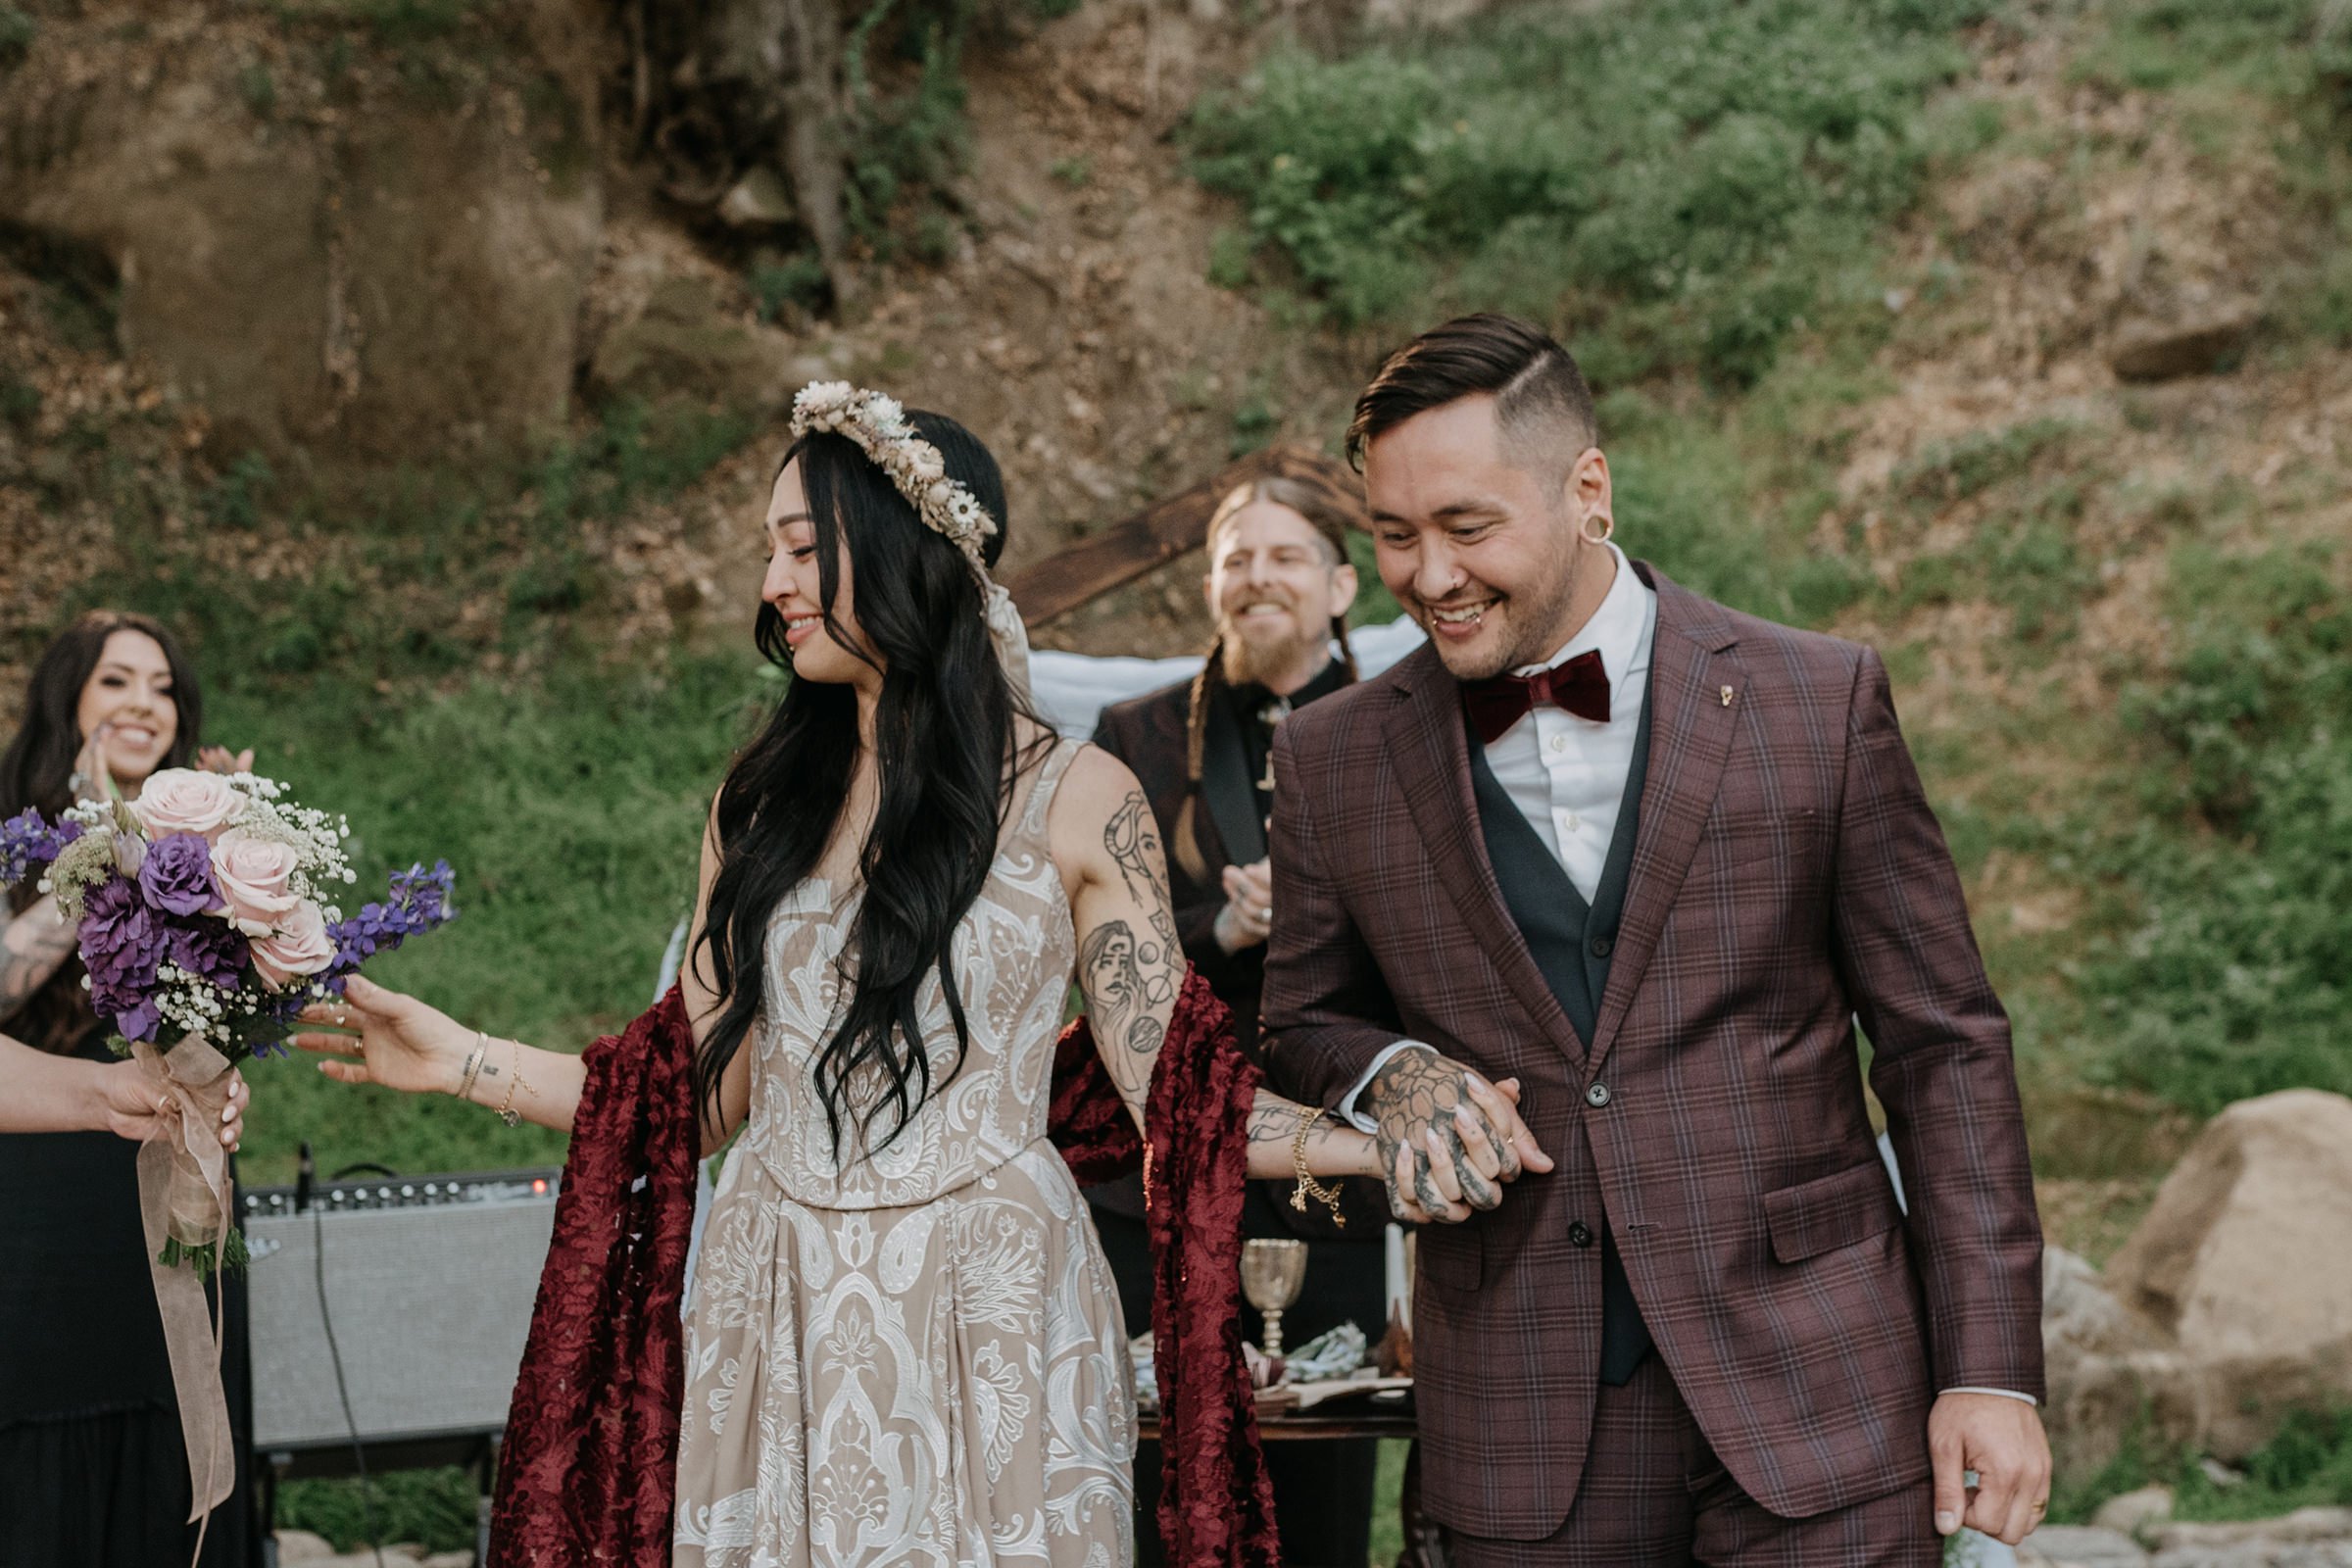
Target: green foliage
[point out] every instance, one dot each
(405, 22)
(1702, 179)
(1959, 468)
(2230, 980)
(2306, 1465)
(258, 88)
(17, 33)
(2294, 49)
(914, 137)
(527, 550)
(1077, 172)
(1254, 422)
(433, 1507)
(234, 500)
(1229, 259)
(794, 281)
(19, 402)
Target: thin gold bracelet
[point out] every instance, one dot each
(506, 1108)
(474, 1065)
(1308, 1186)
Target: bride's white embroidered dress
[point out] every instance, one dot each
(913, 1358)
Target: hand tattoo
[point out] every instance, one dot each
(1414, 1091)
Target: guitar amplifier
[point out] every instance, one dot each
(427, 1283)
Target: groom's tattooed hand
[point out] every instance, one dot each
(1417, 1091)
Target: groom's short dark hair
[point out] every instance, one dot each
(1538, 390)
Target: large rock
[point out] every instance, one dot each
(2073, 1546)
(354, 268)
(2197, 344)
(684, 345)
(2308, 1538)
(2246, 1260)
(2110, 1371)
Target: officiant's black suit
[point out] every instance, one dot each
(1322, 1490)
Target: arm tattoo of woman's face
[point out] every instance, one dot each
(1133, 840)
(1129, 980)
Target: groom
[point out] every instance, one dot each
(1655, 860)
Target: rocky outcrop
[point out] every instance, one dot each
(2245, 1261)
(2310, 1538)
(2196, 344)
(2111, 1373)
(684, 344)
(379, 261)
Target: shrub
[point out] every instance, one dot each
(2230, 979)
(1683, 196)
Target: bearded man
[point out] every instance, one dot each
(1279, 585)
(1652, 858)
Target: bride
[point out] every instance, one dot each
(904, 1345)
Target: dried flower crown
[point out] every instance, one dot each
(878, 424)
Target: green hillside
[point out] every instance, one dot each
(1858, 282)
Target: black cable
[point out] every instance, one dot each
(327, 1320)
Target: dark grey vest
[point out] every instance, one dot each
(1571, 942)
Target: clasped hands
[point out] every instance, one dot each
(1448, 1139)
(1249, 911)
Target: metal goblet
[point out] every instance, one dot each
(1272, 1271)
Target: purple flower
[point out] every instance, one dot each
(141, 1023)
(207, 948)
(122, 943)
(178, 875)
(419, 901)
(26, 841)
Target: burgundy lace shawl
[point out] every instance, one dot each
(589, 1473)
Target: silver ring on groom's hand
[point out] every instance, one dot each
(1266, 914)
(1971, 1480)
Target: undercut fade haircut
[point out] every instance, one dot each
(1541, 400)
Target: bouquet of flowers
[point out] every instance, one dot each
(207, 923)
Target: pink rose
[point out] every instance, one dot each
(257, 878)
(182, 800)
(300, 945)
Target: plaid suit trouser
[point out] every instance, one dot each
(1654, 1496)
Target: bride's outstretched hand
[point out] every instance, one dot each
(379, 1036)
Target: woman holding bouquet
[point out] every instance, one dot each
(906, 1346)
(90, 1444)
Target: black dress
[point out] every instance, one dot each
(93, 1473)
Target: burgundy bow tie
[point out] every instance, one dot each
(1581, 686)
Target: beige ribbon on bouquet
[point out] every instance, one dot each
(183, 1196)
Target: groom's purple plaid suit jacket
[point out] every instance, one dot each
(1788, 874)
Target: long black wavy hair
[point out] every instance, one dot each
(948, 748)
(36, 769)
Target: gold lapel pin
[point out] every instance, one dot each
(1727, 697)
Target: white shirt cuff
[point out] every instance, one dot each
(1346, 1106)
(2006, 1393)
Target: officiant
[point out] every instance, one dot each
(1279, 584)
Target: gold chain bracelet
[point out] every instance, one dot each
(1308, 1186)
(506, 1108)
